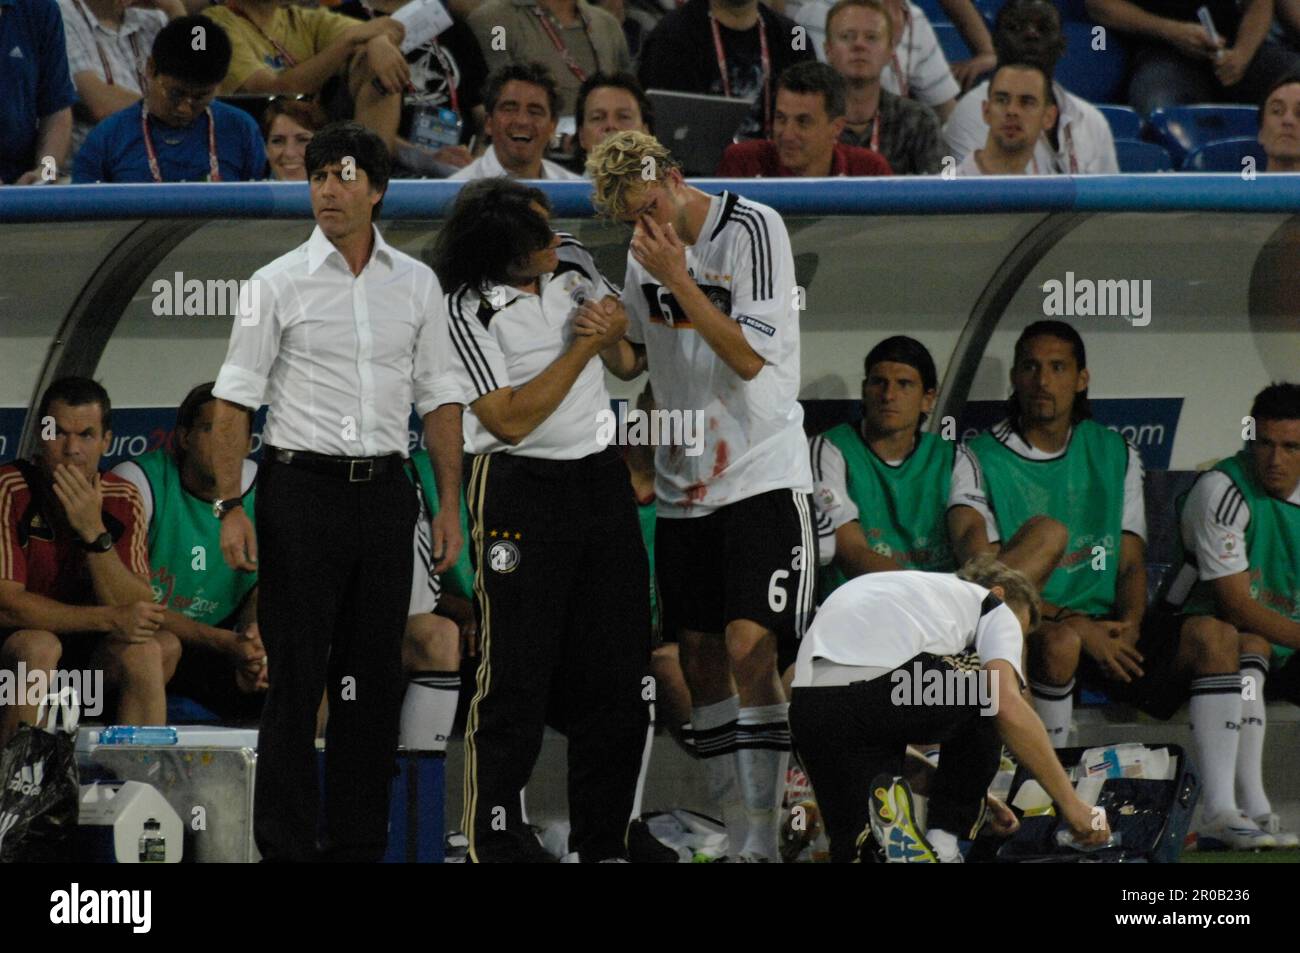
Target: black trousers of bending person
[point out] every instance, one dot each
(846, 735)
(562, 581)
(335, 568)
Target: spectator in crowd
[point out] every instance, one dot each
(1096, 625)
(859, 41)
(108, 46)
(608, 104)
(1017, 111)
(210, 607)
(1178, 61)
(1239, 526)
(808, 120)
(288, 125)
(734, 48)
(636, 23)
(1279, 125)
(521, 101)
(36, 115)
(1029, 31)
(177, 134)
(288, 49)
(442, 108)
(917, 67)
(571, 38)
(74, 570)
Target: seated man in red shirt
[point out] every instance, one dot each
(806, 127)
(74, 567)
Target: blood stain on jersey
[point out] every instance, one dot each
(721, 458)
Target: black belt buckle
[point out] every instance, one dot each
(369, 473)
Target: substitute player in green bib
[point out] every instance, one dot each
(1240, 535)
(881, 486)
(1049, 457)
(211, 608)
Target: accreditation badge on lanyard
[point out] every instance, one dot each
(765, 58)
(214, 171)
(436, 126)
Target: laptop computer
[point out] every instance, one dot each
(697, 128)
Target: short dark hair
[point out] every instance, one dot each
(1286, 79)
(302, 111)
(340, 139)
(901, 349)
(625, 81)
(1080, 410)
(526, 72)
(491, 227)
(175, 55)
(1049, 98)
(1009, 50)
(814, 77)
(1279, 401)
(77, 392)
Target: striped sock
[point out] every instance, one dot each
(714, 730)
(762, 755)
(1216, 730)
(1055, 705)
(1250, 744)
(428, 710)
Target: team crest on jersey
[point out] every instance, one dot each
(503, 556)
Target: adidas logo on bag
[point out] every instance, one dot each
(29, 779)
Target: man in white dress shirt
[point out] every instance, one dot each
(342, 332)
(521, 101)
(1016, 112)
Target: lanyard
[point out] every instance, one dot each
(289, 59)
(1069, 149)
(907, 42)
(214, 172)
(445, 62)
(544, 17)
(103, 57)
(764, 58)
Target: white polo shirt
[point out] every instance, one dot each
(504, 337)
(968, 487)
(488, 166)
(883, 619)
(753, 439)
(1086, 144)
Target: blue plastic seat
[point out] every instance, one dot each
(1181, 129)
(934, 12)
(1099, 76)
(1137, 156)
(1124, 121)
(1226, 155)
(951, 42)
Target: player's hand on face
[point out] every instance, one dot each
(239, 541)
(82, 500)
(659, 251)
(135, 623)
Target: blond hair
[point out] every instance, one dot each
(877, 5)
(1017, 591)
(624, 162)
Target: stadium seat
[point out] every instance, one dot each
(1137, 156)
(1124, 121)
(1226, 155)
(934, 11)
(1180, 129)
(1099, 76)
(951, 41)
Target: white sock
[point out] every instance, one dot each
(762, 774)
(428, 710)
(714, 730)
(1250, 746)
(944, 844)
(1055, 705)
(1216, 721)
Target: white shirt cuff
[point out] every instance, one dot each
(239, 386)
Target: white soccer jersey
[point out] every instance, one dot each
(1213, 526)
(753, 438)
(968, 488)
(883, 619)
(504, 337)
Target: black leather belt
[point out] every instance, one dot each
(352, 469)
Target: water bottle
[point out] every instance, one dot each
(132, 735)
(153, 845)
